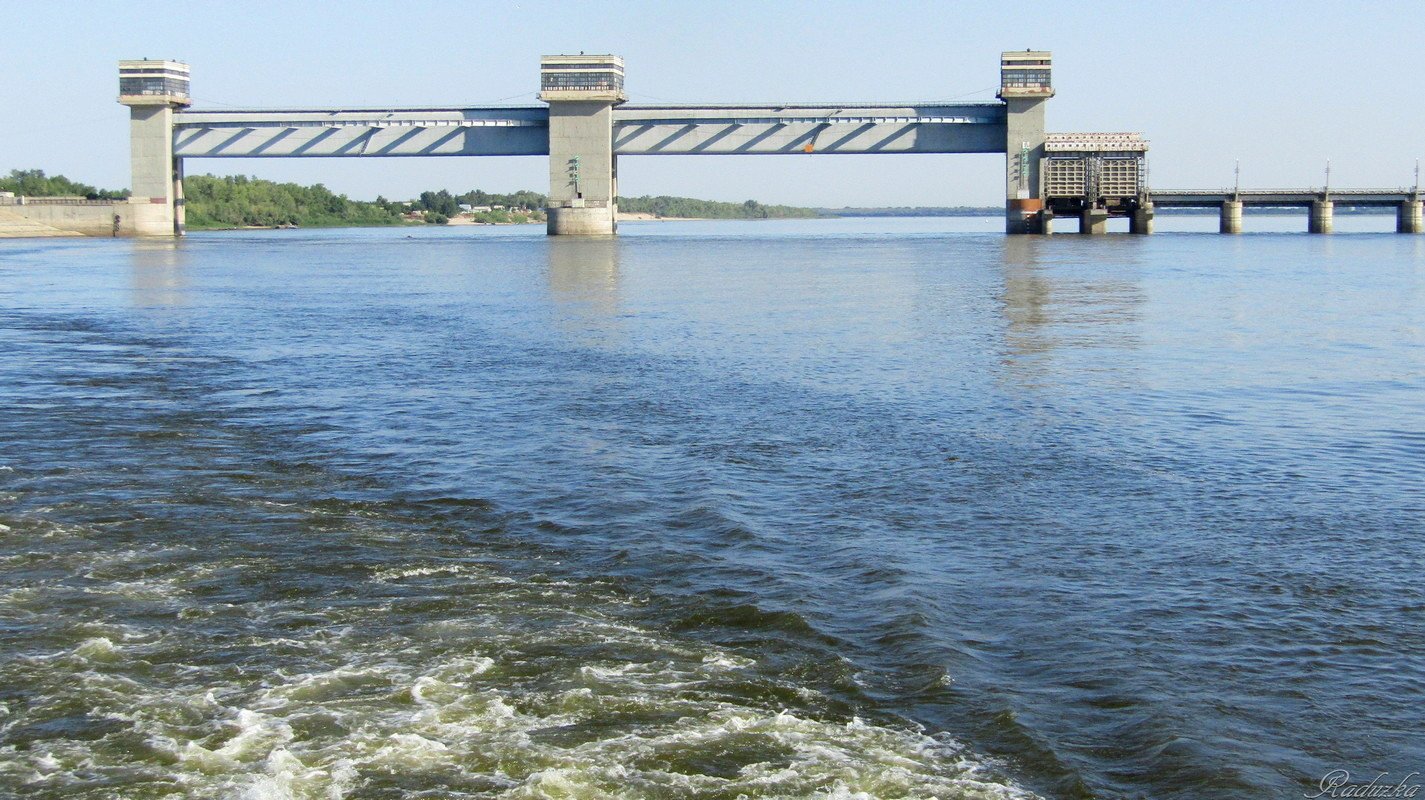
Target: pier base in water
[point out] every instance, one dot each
(1322, 213)
(1230, 220)
(1408, 217)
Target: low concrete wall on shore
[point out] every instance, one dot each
(73, 216)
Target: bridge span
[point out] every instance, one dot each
(1320, 203)
(637, 130)
(584, 125)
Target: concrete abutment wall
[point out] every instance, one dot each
(134, 217)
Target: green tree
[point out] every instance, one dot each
(34, 183)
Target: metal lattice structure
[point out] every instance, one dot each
(1119, 177)
(1065, 177)
(1107, 170)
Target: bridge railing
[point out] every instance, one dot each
(55, 201)
(1296, 190)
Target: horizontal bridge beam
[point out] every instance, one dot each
(791, 128)
(638, 130)
(404, 132)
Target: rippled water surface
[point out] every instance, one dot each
(895, 508)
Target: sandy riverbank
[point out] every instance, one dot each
(643, 216)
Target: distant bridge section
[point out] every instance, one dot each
(1321, 204)
(1286, 198)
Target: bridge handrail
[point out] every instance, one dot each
(1299, 191)
(55, 201)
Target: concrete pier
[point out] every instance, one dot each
(1408, 217)
(1025, 87)
(153, 91)
(1141, 222)
(1024, 216)
(1230, 220)
(581, 92)
(1093, 221)
(1320, 220)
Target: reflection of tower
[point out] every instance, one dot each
(1076, 317)
(159, 274)
(584, 284)
(1026, 296)
(153, 91)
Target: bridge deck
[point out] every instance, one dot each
(807, 128)
(512, 131)
(638, 130)
(1343, 198)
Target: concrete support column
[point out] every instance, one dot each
(180, 212)
(1231, 219)
(154, 92)
(1408, 217)
(1320, 220)
(154, 183)
(1142, 220)
(581, 169)
(1024, 151)
(1093, 221)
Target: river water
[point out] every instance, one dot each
(846, 508)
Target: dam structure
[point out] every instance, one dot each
(585, 124)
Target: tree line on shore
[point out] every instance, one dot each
(447, 204)
(35, 183)
(238, 201)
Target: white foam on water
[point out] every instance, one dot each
(725, 661)
(99, 648)
(416, 572)
(482, 697)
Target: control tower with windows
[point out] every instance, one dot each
(153, 91)
(1026, 84)
(582, 91)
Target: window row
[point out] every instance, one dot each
(172, 86)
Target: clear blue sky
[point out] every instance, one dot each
(1281, 85)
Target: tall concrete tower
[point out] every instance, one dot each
(1025, 87)
(583, 173)
(153, 90)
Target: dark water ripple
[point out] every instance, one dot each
(710, 514)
